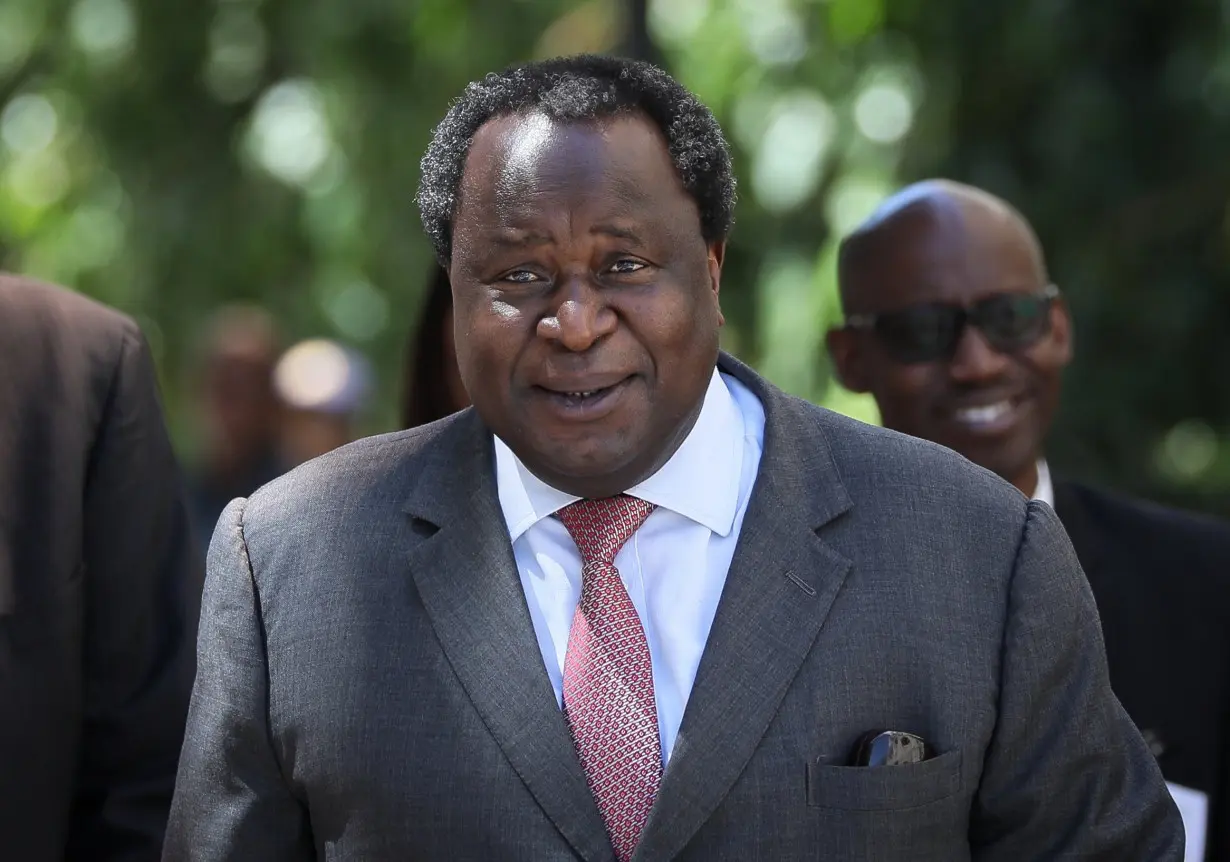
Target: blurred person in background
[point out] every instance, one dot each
(323, 387)
(432, 387)
(637, 602)
(99, 585)
(239, 413)
(953, 325)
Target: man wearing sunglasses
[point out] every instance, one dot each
(954, 326)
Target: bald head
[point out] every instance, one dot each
(966, 219)
(931, 255)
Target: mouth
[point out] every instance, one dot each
(993, 418)
(583, 404)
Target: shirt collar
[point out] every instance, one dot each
(1044, 491)
(700, 481)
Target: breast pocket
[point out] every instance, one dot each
(884, 788)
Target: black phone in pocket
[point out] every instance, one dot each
(890, 748)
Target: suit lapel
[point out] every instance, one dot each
(468, 582)
(782, 581)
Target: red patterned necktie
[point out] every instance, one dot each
(608, 677)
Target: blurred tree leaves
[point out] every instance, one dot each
(1104, 122)
(207, 152)
(171, 157)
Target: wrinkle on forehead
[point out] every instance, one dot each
(517, 157)
(546, 152)
(526, 142)
(529, 169)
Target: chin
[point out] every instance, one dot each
(583, 454)
(593, 464)
(1009, 466)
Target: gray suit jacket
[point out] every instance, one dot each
(370, 687)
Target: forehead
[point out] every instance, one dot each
(946, 252)
(529, 168)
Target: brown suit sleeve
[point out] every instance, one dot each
(142, 592)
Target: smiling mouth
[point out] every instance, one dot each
(584, 403)
(986, 415)
(994, 418)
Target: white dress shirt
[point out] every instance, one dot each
(1044, 490)
(674, 567)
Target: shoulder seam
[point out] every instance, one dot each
(259, 611)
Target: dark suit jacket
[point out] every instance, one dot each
(370, 687)
(96, 568)
(1161, 579)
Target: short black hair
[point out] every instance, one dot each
(580, 88)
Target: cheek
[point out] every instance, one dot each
(1047, 360)
(1041, 369)
(489, 334)
(674, 319)
(907, 390)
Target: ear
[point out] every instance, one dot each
(1062, 332)
(717, 254)
(846, 352)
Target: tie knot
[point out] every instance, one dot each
(601, 527)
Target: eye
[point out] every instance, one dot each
(626, 266)
(520, 276)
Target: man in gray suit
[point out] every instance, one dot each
(637, 603)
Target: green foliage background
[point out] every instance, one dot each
(136, 140)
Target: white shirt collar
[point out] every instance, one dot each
(700, 481)
(1044, 490)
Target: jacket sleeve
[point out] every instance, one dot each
(1067, 775)
(141, 576)
(232, 801)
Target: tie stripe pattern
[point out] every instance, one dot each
(608, 677)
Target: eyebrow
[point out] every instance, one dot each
(516, 238)
(617, 232)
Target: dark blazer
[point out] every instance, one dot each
(1161, 579)
(96, 581)
(370, 686)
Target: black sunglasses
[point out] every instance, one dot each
(925, 333)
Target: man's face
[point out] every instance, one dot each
(993, 407)
(240, 406)
(585, 298)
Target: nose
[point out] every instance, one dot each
(975, 360)
(582, 317)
